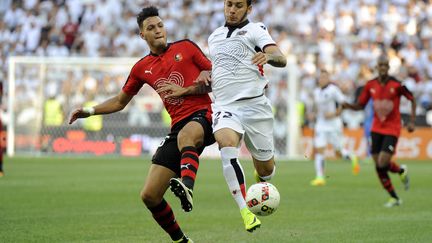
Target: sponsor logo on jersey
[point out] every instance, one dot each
(149, 71)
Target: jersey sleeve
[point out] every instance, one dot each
(405, 92)
(338, 95)
(133, 83)
(199, 58)
(364, 95)
(262, 36)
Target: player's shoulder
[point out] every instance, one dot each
(183, 42)
(332, 88)
(256, 27)
(371, 82)
(142, 62)
(217, 31)
(395, 80)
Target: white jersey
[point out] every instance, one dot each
(326, 101)
(234, 77)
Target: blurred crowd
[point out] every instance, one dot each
(345, 37)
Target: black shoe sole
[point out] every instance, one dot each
(179, 192)
(254, 228)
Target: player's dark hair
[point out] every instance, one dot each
(145, 13)
(249, 2)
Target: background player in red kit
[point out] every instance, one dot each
(386, 91)
(177, 64)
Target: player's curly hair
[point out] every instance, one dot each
(146, 12)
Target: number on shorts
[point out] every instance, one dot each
(225, 114)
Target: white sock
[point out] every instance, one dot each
(268, 177)
(233, 173)
(319, 165)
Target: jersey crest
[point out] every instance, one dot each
(178, 57)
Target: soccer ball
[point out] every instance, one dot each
(262, 198)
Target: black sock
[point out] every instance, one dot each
(164, 216)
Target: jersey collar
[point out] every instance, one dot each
(166, 48)
(231, 28)
(239, 26)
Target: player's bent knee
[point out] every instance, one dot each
(150, 199)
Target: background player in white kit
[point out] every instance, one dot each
(328, 99)
(238, 51)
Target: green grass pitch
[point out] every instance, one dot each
(97, 200)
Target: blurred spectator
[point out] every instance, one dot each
(341, 36)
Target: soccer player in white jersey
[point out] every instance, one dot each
(238, 51)
(328, 99)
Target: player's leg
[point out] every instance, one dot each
(228, 131)
(394, 167)
(320, 143)
(191, 140)
(319, 162)
(382, 151)
(264, 170)
(228, 141)
(336, 139)
(152, 195)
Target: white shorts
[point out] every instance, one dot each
(253, 119)
(322, 138)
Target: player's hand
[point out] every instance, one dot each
(410, 127)
(78, 113)
(204, 77)
(172, 90)
(260, 58)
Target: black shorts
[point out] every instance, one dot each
(168, 154)
(382, 142)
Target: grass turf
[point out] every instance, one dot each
(97, 200)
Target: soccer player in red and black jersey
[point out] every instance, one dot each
(171, 69)
(386, 91)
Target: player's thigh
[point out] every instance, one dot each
(227, 137)
(259, 139)
(227, 126)
(377, 140)
(156, 184)
(168, 154)
(336, 139)
(226, 117)
(191, 134)
(320, 141)
(389, 144)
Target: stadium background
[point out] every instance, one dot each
(344, 37)
(50, 193)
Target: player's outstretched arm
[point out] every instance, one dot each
(111, 105)
(271, 55)
(354, 106)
